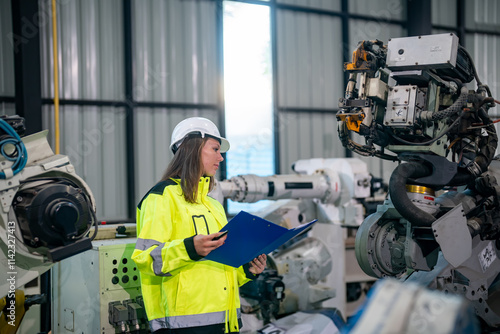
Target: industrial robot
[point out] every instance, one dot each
(414, 101)
(438, 226)
(46, 212)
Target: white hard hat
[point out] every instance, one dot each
(195, 125)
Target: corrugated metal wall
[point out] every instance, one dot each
(485, 48)
(484, 14)
(176, 61)
(380, 10)
(305, 135)
(308, 54)
(310, 76)
(444, 12)
(90, 50)
(7, 109)
(7, 44)
(485, 51)
(175, 51)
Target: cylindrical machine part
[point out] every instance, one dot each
(252, 188)
(423, 198)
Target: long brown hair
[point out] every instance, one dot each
(187, 166)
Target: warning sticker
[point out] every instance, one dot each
(487, 256)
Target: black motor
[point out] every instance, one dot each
(53, 214)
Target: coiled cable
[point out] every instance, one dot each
(19, 156)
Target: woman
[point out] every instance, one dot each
(177, 223)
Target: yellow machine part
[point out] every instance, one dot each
(11, 318)
(360, 59)
(420, 190)
(352, 121)
(363, 58)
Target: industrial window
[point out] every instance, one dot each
(248, 93)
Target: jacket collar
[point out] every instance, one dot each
(203, 187)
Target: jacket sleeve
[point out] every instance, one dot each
(155, 253)
(244, 274)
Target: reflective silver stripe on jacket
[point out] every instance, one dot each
(143, 244)
(182, 321)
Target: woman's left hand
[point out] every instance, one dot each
(258, 264)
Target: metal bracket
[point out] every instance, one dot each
(453, 236)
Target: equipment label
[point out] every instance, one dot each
(487, 256)
(272, 329)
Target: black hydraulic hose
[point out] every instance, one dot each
(487, 148)
(488, 145)
(478, 81)
(361, 150)
(485, 100)
(462, 177)
(454, 108)
(399, 197)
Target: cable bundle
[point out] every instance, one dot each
(19, 156)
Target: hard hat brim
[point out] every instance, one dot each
(224, 145)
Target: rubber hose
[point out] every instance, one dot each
(462, 177)
(343, 133)
(454, 108)
(487, 149)
(488, 144)
(399, 197)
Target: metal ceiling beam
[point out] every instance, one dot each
(419, 19)
(25, 41)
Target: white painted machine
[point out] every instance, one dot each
(46, 212)
(317, 271)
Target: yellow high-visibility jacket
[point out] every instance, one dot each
(180, 288)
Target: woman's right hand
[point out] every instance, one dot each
(204, 244)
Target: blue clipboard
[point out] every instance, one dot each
(249, 236)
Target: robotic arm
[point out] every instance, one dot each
(331, 190)
(332, 184)
(440, 223)
(410, 97)
(46, 210)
